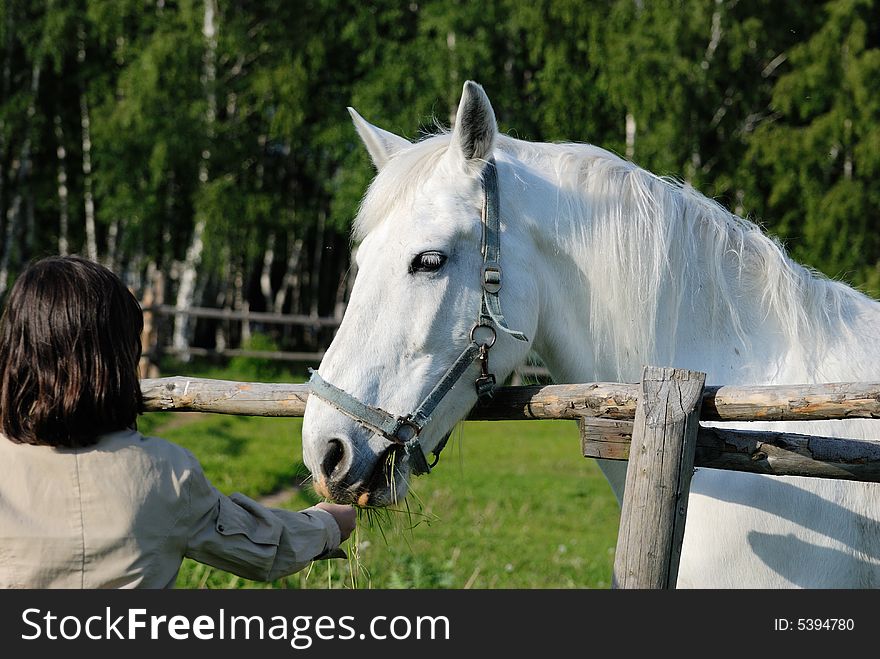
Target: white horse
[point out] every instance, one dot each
(607, 267)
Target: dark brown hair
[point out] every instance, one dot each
(69, 351)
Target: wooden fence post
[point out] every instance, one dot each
(658, 477)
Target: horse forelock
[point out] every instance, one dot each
(395, 186)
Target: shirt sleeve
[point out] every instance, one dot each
(239, 535)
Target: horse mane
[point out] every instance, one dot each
(676, 249)
(678, 252)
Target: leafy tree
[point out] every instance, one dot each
(820, 155)
(127, 134)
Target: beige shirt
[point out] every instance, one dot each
(124, 512)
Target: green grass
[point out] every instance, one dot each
(510, 505)
(251, 455)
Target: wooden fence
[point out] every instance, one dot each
(152, 345)
(654, 424)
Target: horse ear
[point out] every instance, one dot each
(475, 125)
(381, 145)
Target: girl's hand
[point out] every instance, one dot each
(345, 516)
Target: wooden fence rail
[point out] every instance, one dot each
(604, 400)
(605, 412)
(249, 316)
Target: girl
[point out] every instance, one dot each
(86, 501)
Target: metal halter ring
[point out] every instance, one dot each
(486, 344)
(406, 429)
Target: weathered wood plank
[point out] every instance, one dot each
(184, 394)
(180, 393)
(808, 402)
(605, 438)
(803, 402)
(754, 451)
(658, 478)
(788, 454)
(608, 400)
(563, 401)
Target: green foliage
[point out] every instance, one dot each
(819, 156)
(416, 572)
(252, 455)
(258, 369)
(769, 107)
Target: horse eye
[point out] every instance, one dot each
(427, 262)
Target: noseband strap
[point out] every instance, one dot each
(405, 430)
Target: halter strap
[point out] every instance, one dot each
(490, 277)
(405, 430)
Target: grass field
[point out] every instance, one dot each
(511, 505)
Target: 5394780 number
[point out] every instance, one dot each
(813, 624)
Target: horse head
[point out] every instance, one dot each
(424, 312)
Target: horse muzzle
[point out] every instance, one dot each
(342, 477)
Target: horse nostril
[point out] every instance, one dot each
(335, 454)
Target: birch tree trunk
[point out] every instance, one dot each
(847, 149)
(290, 282)
(715, 36)
(85, 123)
(222, 301)
(630, 136)
(266, 272)
(187, 285)
(88, 199)
(63, 214)
(112, 245)
(453, 76)
(240, 302)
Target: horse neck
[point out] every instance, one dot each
(636, 271)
